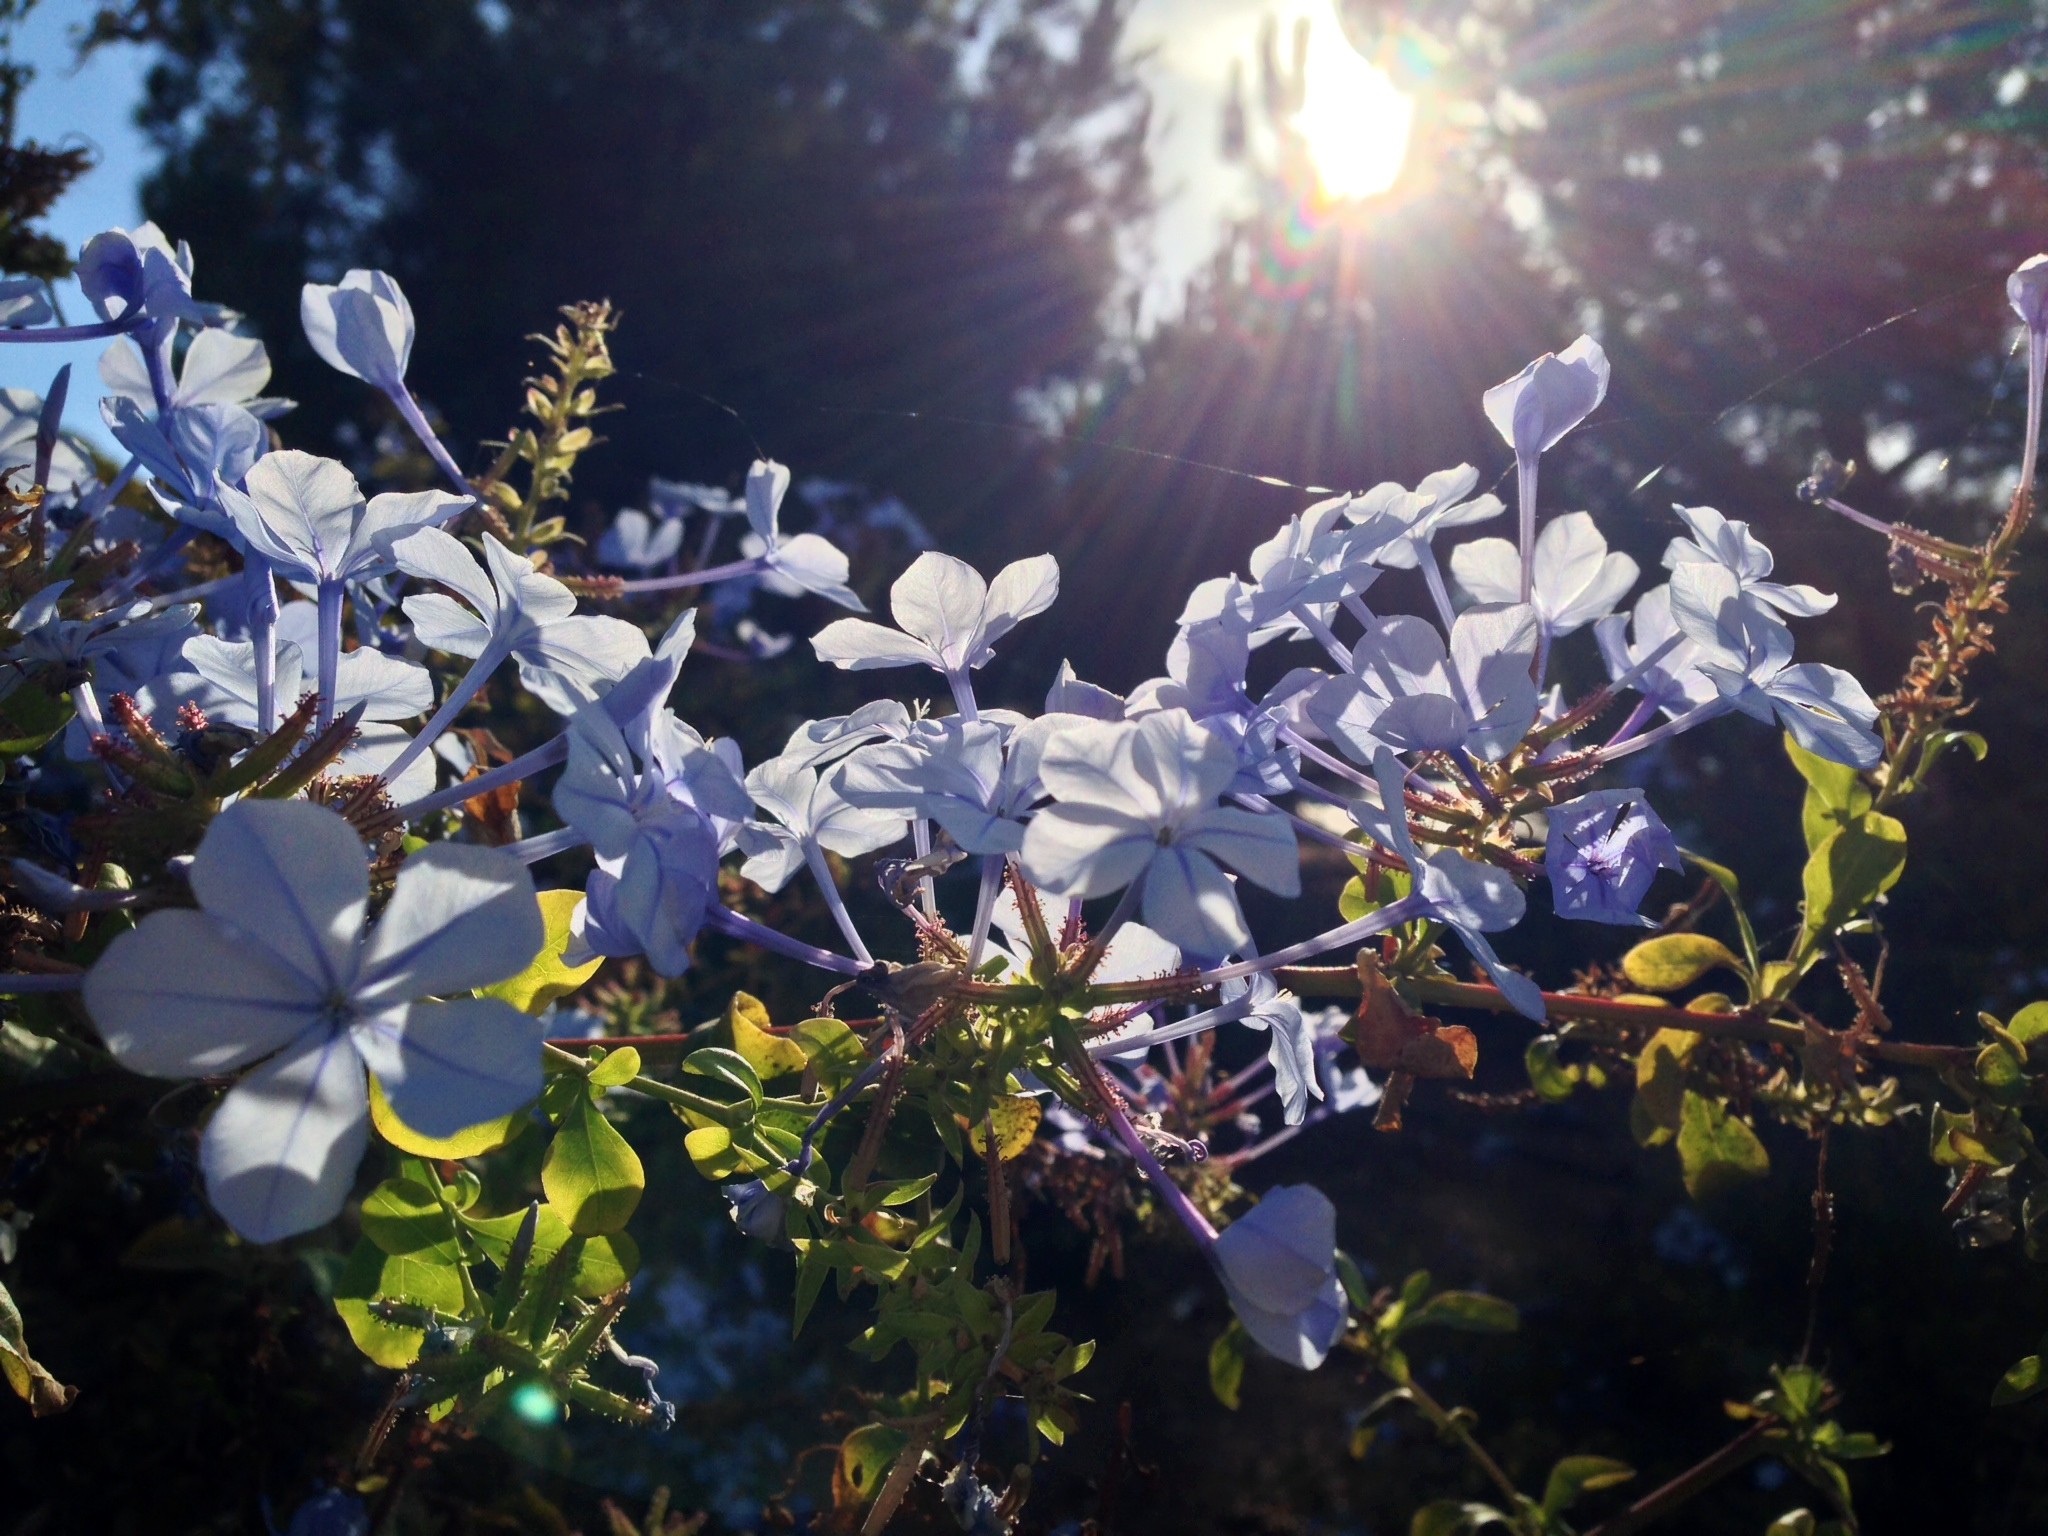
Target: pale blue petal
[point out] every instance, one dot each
(460, 917)
(292, 876)
(448, 1066)
(280, 1154)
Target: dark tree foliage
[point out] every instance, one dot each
(32, 176)
(808, 210)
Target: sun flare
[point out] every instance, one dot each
(1353, 120)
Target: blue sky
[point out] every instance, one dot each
(95, 106)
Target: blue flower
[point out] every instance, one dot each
(1604, 849)
(1278, 1263)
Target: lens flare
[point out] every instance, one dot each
(1354, 122)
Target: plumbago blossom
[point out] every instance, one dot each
(1049, 914)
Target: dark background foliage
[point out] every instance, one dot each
(880, 241)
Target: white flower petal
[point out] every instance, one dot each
(281, 1152)
(292, 876)
(461, 916)
(448, 1066)
(181, 996)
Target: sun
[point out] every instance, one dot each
(1354, 122)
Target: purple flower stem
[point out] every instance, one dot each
(458, 699)
(729, 922)
(95, 332)
(821, 872)
(1525, 490)
(415, 418)
(728, 572)
(1390, 916)
(1170, 1194)
(546, 755)
(545, 845)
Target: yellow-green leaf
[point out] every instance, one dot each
(402, 1217)
(2024, 1379)
(546, 979)
(30, 1382)
(1835, 794)
(474, 1142)
(1660, 1081)
(1716, 1150)
(769, 1054)
(1853, 866)
(371, 1275)
(866, 1455)
(712, 1152)
(591, 1175)
(619, 1067)
(1015, 1117)
(1674, 960)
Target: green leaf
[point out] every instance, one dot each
(1716, 1150)
(769, 1054)
(605, 1264)
(1467, 1312)
(2029, 1025)
(1939, 742)
(546, 979)
(833, 1050)
(712, 1152)
(866, 1455)
(1226, 1365)
(1835, 794)
(591, 1175)
(1851, 868)
(401, 1217)
(1014, 1118)
(1674, 960)
(1576, 1476)
(1794, 1522)
(30, 718)
(724, 1066)
(2021, 1381)
(618, 1068)
(30, 1382)
(1548, 1075)
(369, 1276)
(1660, 1086)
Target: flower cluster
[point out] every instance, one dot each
(305, 706)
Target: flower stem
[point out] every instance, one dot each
(688, 579)
(727, 921)
(821, 872)
(415, 418)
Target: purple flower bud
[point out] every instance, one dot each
(2027, 288)
(1604, 850)
(756, 1212)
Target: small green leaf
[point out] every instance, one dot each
(1852, 867)
(2029, 1025)
(1835, 794)
(2001, 1073)
(30, 718)
(1576, 1476)
(1716, 1150)
(1660, 1086)
(1548, 1075)
(1467, 1312)
(769, 1054)
(370, 1276)
(712, 1152)
(724, 1066)
(866, 1455)
(1674, 960)
(619, 1067)
(591, 1175)
(30, 1382)
(1015, 1118)
(1226, 1365)
(2020, 1382)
